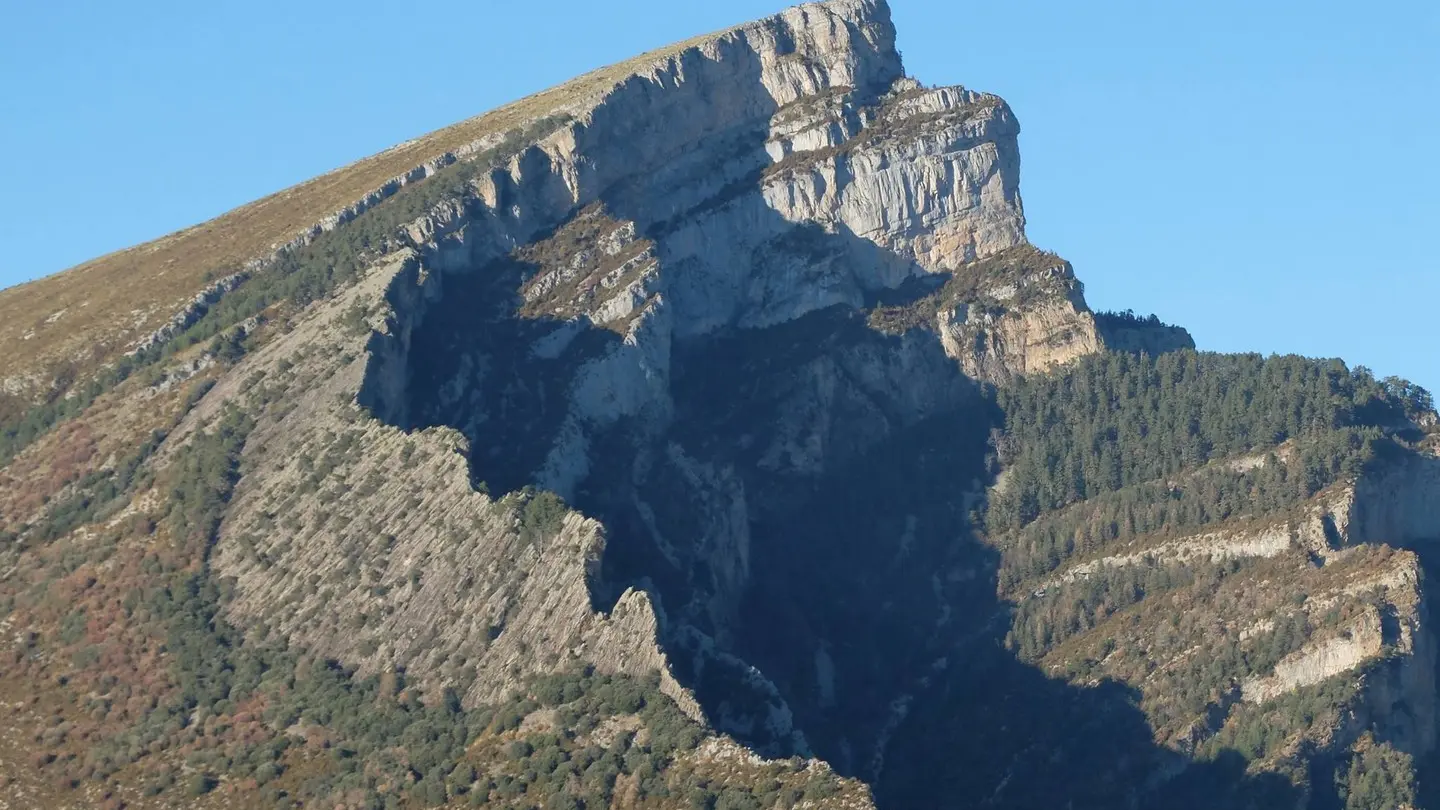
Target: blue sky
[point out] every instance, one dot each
(1262, 173)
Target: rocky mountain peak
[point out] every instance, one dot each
(707, 429)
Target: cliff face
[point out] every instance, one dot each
(703, 369)
(582, 313)
(768, 172)
(736, 187)
(705, 306)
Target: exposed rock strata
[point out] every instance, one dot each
(666, 310)
(372, 546)
(746, 182)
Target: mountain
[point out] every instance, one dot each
(704, 432)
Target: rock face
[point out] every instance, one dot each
(379, 534)
(694, 372)
(745, 182)
(741, 309)
(1360, 641)
(724, 216)
(1030, 325)
(773, 171)
(1397, 506)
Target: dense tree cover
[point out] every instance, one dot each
(1042, 622)
(207, 665)
(1116, 448)
(1192, 683)
(205, 476)
(542, 515)
(1120, 447)
(1116, 420)
(1128, 318)
(1263, 730)
(1379, 778)
(1273, 485)
(585, 760)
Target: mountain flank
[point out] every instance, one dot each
(704, 432)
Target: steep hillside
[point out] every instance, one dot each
(702, 433)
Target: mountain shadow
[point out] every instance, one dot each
(806, 521)
(801, 502)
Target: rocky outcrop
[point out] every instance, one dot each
(193, 310)
(1360, 641)
(699, 309)
(1389, 647)
(1028, 326)
(1020, 310)
(361, 542)
(1208, 547)
(1137, 336)
(743, 182)
(1396, 503)
(723, 198)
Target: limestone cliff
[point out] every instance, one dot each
(559, 310)
(742, 182)
(750, 204)
(706, 368)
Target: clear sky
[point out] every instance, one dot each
(1264, 173)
